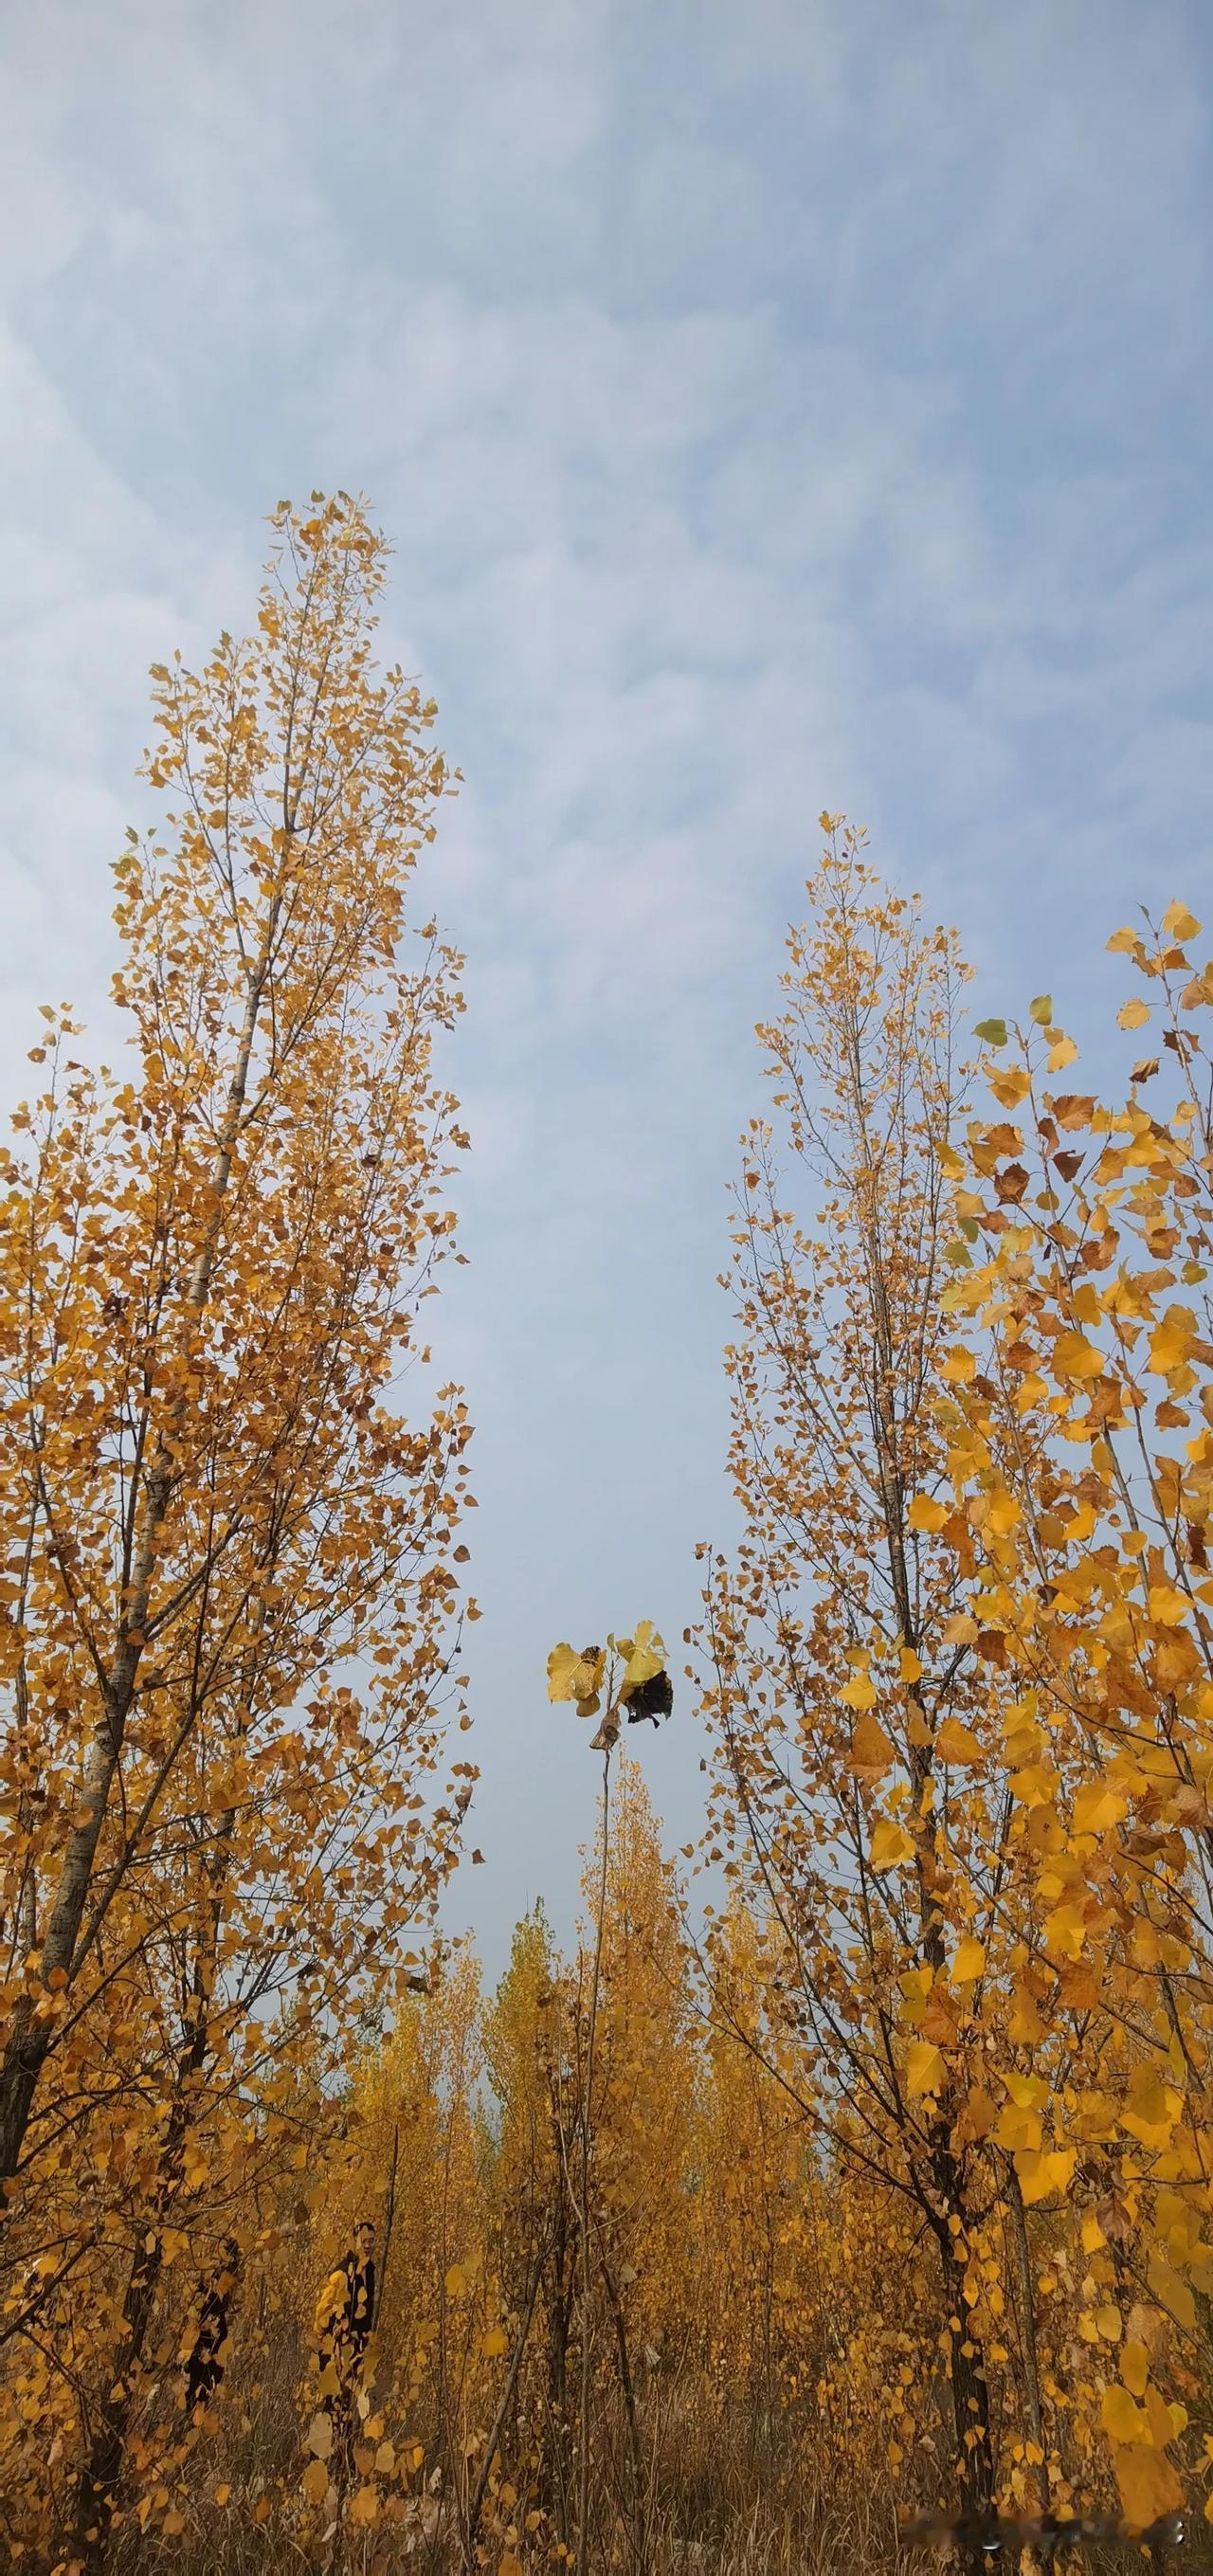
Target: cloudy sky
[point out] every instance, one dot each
(798, 405)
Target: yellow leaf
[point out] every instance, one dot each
(1065, 1931)
(1097, 1807)
(364, 2507)
(1164, 2421)
(1025, 2026)
(968, 1963)
(925, 2069)
(576, 1676)
(871, 1752)
(978, 2113)
(1167, 1605)
(1062, 1054)
(858, 1692)
(1135, 2367)
(561, 1662)
(1049, 2172)
(1019, 2129)
(1122, 2420)
(959, 1366)
(456, 2281)
(1171, 2292)
(957, 1743)
(1108, 2322)
(1154, 2107)
(923, 1514)
(1179, 923)
(911, 1669)
(1075, 1357)
(1133, 1015)
(1148, 2485)
(1171, 1340)
(891, 1845)
(960, 1630)
(223, 2495)
(173, 2523)
(1094, 2117)
(495, 2342)
(1034, 1785)
(315, 2482)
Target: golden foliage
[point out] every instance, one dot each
(225, 1575)
(882, 2174)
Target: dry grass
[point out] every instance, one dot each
(724, 2498)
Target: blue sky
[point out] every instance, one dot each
(772, 408)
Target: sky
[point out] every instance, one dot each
(797, 406)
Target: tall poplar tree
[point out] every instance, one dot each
(225, 1545)
(839, 1698)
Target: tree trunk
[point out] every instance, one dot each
(1027, 2312)
(635, 2452)
(96, 2493)
(971, 2409)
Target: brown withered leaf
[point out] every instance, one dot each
(320, 2435)
(1076, 1987)
(653, 1698)
(1149, 2326)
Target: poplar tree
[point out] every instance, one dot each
(226, 1543)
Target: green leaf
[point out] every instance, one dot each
(994, 1032)
(1042, 1010)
